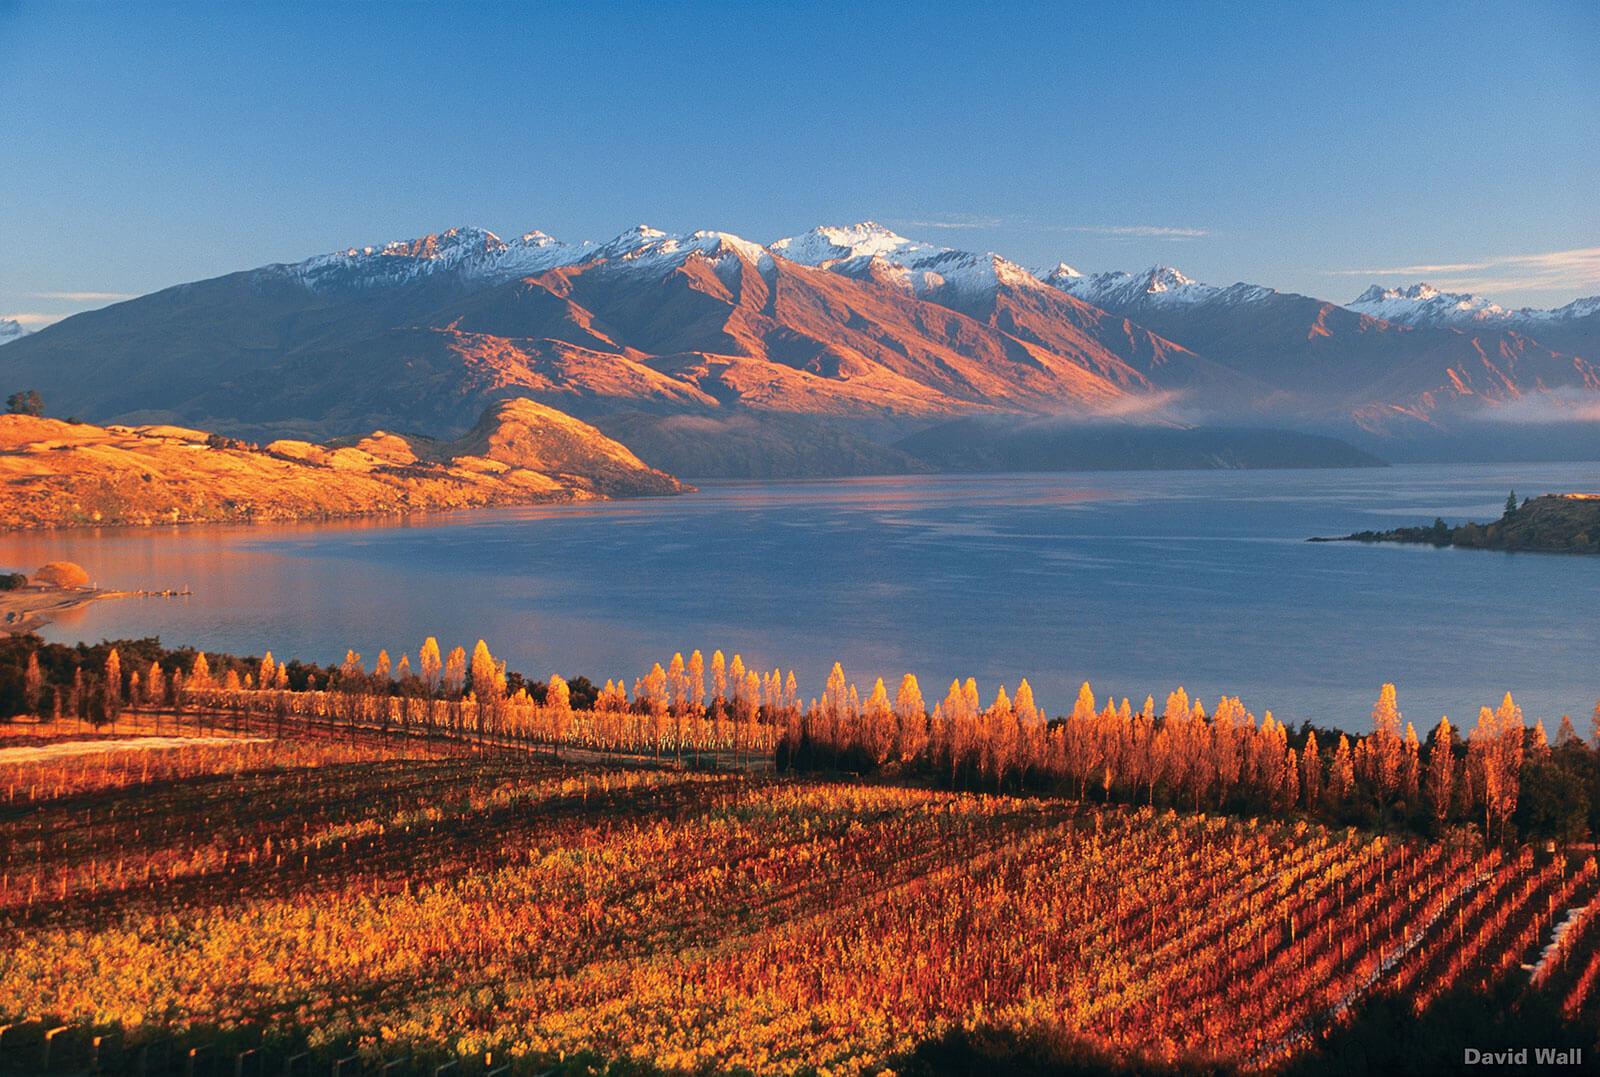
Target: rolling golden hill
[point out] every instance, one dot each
(58, 474)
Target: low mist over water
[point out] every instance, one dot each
(1135, 582)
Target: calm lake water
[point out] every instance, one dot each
(1134, 581)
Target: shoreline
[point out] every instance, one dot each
(30, 608)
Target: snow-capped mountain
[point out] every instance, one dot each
(472, 253)
(869, 251)
(649, 248)
(865, 251)
(420, 334)
(1158, 285)
(1424, 305)
(10, 330)
(852, 324)
(479, 256)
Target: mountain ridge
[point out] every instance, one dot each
(852, 325)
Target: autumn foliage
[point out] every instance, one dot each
(426, 900)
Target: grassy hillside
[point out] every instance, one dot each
(60, 474)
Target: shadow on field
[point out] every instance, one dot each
(987, 1052)
(1386, 1036)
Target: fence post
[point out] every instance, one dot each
(289, 1063)
(49, 1039)
(238, 1061)
(97, 1064)
(338, 1067)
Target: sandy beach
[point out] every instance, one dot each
(26, 608)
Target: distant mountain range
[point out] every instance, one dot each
(825, 353)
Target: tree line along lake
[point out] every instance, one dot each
(1136, 582)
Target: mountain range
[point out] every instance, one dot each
(826, 353)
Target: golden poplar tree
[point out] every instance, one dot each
(719, 680)
(1225, 745)
(454, 676)
(1001, 743)
(1028, 720)
(1383, 750)
(1441, 772)
(429, 664)
(697, 681)
(113, 683)
(1289, 787)
(1509, 743)
(557, 696)
(752, 687)
(1410, 767)
(911, 729)
(33, 681)
(1341, 775)
(1565, 734)
(677, 684)
(1082, 741)
(955, 727)
(1111, 748)
(155, 687)
(383, 668)
(1482, 769)
(833, 709)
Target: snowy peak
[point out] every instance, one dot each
(825, 246)
(1165, 279)
(870, 251)
(1062, 272)
(473, 253)
(1578, 308)
(1160, 285)
(1424, 305)
(10, 330)
(651, 246)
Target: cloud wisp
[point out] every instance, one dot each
(1578, 268)
(1134, 231)
(955, 220)
(1109, 231)
(1558, 406)
(35, 320)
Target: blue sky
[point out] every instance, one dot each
(1313, 148)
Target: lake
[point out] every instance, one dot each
(1134, 581)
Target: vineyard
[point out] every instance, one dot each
(368, 903)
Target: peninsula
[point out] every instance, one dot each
(1553, 523)
(65, 474)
